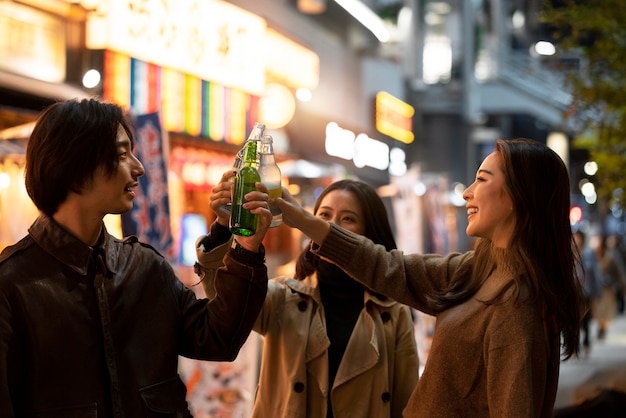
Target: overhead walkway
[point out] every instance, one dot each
(524, 85)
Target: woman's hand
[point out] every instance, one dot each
(296, 216)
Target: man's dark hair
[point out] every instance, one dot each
(70, 141)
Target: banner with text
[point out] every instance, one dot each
(149, 218)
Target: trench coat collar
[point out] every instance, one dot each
(69, 250)
(368, 355)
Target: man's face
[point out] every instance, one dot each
(114, 194)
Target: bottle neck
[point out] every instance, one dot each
(267, 148)
(257, 132)
(250, 156)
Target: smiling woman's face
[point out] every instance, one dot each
(341, 207)
(490, 211)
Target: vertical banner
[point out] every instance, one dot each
(149, 219)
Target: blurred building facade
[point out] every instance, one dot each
(468, 69)
(473, 71)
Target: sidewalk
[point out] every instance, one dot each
(605, 367)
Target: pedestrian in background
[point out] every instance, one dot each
(331, 346)
(618, 253)
(605, 307)
(506, 312)
(590, 276)
(91, 325)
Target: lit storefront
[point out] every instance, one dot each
(33, 73)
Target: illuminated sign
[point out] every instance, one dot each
(211, 39)
(290, 63)
(32, 43)
(361, 149)
(394, 117)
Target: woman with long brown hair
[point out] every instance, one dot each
(507, 311)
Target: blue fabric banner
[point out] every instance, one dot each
(149, 218)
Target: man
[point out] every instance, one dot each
(91, 325)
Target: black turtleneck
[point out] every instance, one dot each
(342, 298)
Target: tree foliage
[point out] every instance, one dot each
(595, 31)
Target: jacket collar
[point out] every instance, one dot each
(65, 247)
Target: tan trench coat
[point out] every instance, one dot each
(379, 369)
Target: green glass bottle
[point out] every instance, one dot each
(255, 135)
(242, 222)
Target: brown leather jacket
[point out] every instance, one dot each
(86, 336)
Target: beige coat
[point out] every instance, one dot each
(379, 369)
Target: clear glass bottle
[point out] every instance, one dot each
(255, 135)
(242, 221)
(270, 175)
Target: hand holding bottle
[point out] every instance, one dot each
(242, 220)
(221, 197)
(257, 203)
(255, 135)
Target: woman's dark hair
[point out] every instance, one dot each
(70, 141)
(542, 246)
(376, 220)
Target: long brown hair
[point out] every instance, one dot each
(376, 220)
(542, 245)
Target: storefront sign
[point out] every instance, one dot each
(32, 43)
(394, 117)
(361, 149)
(289, 62)
(211, 39)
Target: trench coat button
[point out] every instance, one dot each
(302, 306)
(386, 397)
(385, 316)
(298, 387)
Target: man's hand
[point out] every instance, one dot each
(256, 203)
